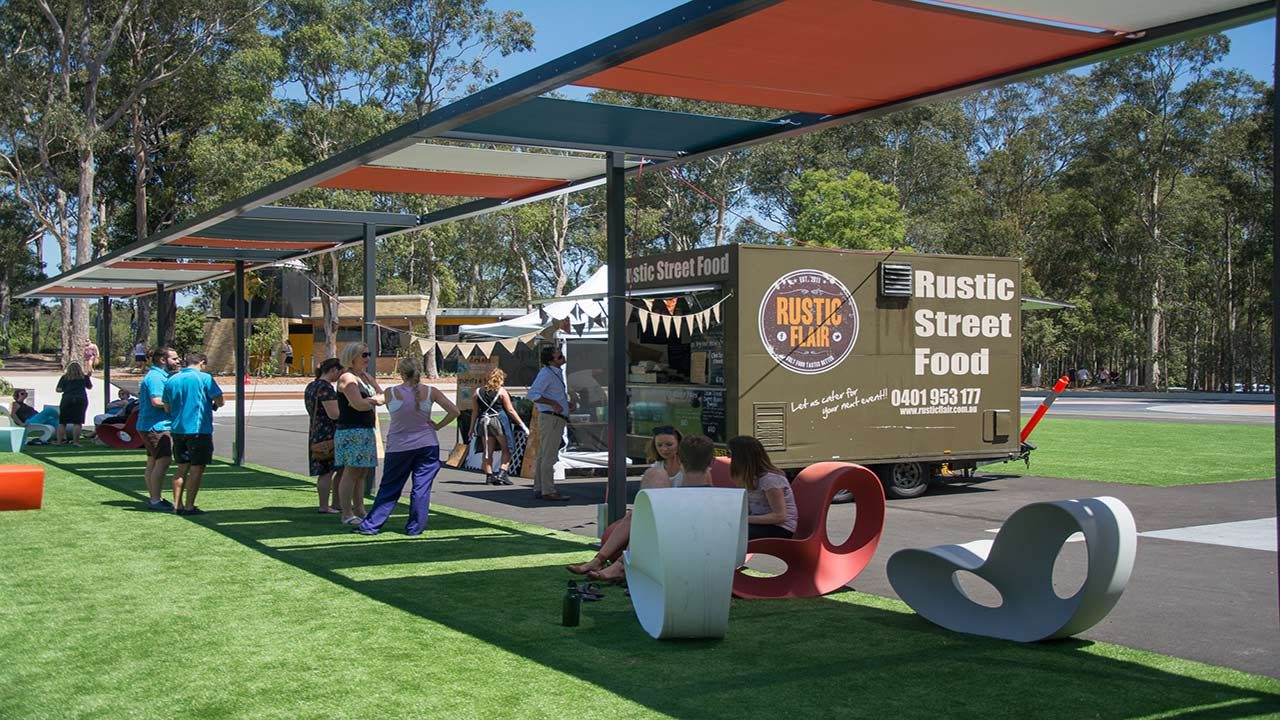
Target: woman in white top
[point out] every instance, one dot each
(666, 471)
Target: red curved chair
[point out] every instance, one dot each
(816, 566)
(121, 437)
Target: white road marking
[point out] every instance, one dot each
(1257, 534)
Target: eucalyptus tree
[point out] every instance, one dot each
(63, 58)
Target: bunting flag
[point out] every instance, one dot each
(627, 311)
(671, 305)
(666, 325)
(543, 317)
(511, 345)
(579, 327)
(466, 348)
(697, 323)
(486, 348)
(446, 348)
(648, 303)
(715, 313)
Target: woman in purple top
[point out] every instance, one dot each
(412, 447)
(771, 506)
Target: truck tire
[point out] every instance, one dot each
(905, 479)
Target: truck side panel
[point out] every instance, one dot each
(861, 374)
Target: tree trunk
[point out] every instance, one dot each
(79, 316)
(433, 305)
(329, 303)
(6, 304)
(142, 316)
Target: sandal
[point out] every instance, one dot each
(589, 592)
(595, 563)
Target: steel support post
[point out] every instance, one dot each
(1275, 267)
(616, 256)
(237, 450)
(371, 296)
(104, 350)
(160, 315)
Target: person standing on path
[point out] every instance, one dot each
(412, 448)
(74, 385)
(287, 351)
(321, 400)
(154, 424)
(551, 396)
(355, 442)
(191, 396)
(91, 356)
(140, 356)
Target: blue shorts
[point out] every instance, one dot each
(355, 447)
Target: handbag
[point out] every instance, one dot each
(322, 450)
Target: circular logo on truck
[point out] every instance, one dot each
(808, 321)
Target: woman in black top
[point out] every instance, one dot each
(355, 442)
(74, 386)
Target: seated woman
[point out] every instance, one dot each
(771, 506)
(695, 455)
(23, 414)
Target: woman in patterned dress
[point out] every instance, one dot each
(322, 405)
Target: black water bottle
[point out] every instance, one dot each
(571, 607)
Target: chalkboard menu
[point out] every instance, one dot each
(713, 419)
(711, 342)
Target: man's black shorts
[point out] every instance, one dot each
(193, 449)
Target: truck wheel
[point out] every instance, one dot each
(904, 480)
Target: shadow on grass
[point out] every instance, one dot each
(501, 584)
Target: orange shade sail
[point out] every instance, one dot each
(838, 56)
(163, 265)
(427, 182)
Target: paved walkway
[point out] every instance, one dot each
(1202, 593)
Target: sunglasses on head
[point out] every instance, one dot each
(664, 430)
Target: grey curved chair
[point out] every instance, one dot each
(1019, 564)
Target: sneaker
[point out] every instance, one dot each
(359, 530)
(193, 511)
(161, 505)
(504, 479)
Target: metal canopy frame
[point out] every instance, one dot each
(511, 112)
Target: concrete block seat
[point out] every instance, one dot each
(815, 565)
(12, 438)
(21, 487)
(685, 544)
(1019, 565)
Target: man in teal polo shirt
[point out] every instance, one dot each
(153, 424)
(191, 396)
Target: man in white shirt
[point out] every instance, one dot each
(551, 396)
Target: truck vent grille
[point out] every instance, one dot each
(770, 425)
(895, 280)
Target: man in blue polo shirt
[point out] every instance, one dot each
(191, 397)
(153, 423)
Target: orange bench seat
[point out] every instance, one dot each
(21, 487)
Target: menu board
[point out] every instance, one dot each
(713, 414)
(711, 342)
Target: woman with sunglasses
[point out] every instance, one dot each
(771, 506)
(23, 414)
(666, 471)
(355, 441)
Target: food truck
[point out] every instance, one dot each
(906, 363)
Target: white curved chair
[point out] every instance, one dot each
(685, 545)
(1019, 564)
(35, 431)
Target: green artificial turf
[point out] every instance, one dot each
(264, 609)
(1152, 453)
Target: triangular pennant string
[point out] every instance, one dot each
(510, 345)
(715, 313)
(486, 348)
(648, 303)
